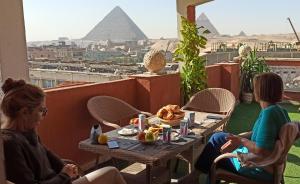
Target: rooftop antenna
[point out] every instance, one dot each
(298, 41)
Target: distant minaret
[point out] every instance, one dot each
(117, 27)
(202, 20)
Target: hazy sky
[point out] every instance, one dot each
(50, 19)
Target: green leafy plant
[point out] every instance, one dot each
(251, 65)
(193, 74)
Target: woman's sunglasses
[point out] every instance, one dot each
(44, 111)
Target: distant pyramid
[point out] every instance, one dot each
(242, 33)
(117, 27)
(202, 20)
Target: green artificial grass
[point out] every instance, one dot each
(243, 119)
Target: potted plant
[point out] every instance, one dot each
(251, 64)
(193, 74)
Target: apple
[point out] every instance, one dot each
(141, 136)
(134, 121)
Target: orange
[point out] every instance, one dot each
(102, 139)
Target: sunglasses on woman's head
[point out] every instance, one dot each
(44, 111)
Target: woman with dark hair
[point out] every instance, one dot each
(27, 161)
(268, 90)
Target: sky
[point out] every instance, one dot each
(50, 19)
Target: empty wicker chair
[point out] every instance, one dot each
(112, 111)
(212, 100)
(289, 133)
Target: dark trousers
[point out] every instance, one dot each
(212, 151)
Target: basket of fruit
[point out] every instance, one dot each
(170, 114)
(147, 137)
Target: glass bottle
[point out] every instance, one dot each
(95, 132)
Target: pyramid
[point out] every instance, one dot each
(202, 20)
(242, 33)
(117, 27)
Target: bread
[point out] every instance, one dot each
(170, 112)
(173, 108)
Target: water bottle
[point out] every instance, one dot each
(142, 120)
(95, 132)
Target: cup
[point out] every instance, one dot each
(142, 120)
(184, 127)
(166, 133)
(191, 118)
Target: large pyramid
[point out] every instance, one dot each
(202, 20)
(117, 27)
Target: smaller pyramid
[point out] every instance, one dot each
(203, 20)
(116, 26)
(242, 33)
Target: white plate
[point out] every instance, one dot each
(127, 131)
(175, 136)
(178, 131)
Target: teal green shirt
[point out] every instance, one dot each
(264, 134)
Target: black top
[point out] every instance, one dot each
(27, 161)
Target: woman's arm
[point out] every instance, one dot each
(253, 148)
(231, 145)
(250, 145)
(56, 163)
(18, 170)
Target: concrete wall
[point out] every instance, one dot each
(224, 75)
(155, 91)
(13, 54)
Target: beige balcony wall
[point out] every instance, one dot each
(13, 56)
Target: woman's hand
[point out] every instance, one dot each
(71, 170)
(236, 140)
(233, 142)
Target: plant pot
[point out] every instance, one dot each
(247, 97)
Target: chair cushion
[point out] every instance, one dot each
(232, 177)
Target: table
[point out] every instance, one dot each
(159, 153)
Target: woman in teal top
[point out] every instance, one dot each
(268, 89)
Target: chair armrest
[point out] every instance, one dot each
(111, 124)
(214, 165)
(246, 135)
(147, 113)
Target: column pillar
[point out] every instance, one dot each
(191, 13)
(186, 8)
(13, 51)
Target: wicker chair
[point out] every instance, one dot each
(276, 161)
(112, 111)
(212, 100)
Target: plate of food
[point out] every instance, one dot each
(156, 128)
(170, 114)
(127, 131)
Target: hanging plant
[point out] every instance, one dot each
(193, 73)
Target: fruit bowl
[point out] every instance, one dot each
(143, 137)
